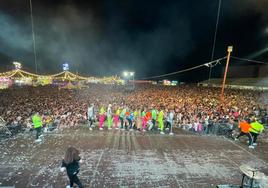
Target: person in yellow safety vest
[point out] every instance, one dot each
(160, 120)
(37, 121)
(255, 129)
(135, 118)
(109, 116)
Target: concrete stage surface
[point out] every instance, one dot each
(128, 159)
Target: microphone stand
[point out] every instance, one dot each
(251, 182)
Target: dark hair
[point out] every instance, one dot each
(71, 155)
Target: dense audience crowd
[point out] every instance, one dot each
(193, 107)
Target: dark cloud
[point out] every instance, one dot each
(107, 37)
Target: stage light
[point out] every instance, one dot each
(132, 73)
(125, 73)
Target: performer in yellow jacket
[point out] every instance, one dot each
(255, 129)
(37, 121)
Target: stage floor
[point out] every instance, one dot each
(128, 159)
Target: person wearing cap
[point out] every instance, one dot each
(255, 130)
(244, 127)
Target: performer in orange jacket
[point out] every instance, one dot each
(244, 128)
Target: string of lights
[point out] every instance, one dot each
(249, 60)
(208, 64)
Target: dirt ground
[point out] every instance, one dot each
(128, 159)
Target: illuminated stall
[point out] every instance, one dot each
(5, 83)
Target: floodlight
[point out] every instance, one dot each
(125, 73)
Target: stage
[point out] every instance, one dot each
(128, 159)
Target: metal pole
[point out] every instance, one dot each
(210, 70)
(215, 38)
(133, 81)
(33, 35)
(230, 49)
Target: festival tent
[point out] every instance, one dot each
(17, 76)
(18, 73)
(67, 75)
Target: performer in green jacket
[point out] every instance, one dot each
(154, 116)
(160, 120)
(109, 116)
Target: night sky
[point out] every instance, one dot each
(150, 37)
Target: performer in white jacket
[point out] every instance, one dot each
(90, 115)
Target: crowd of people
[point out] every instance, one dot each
(147, 107)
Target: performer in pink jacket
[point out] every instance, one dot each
(102, 117)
